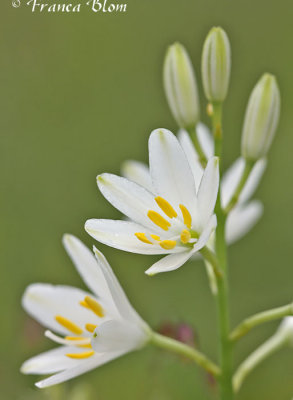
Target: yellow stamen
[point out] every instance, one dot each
(185, 236)
(155, 237)
(83, 304)
(75, 338)
(90, 327)
(168, 244)
(71, 326)
(86, 354)
(186, 216)
(166, 207)
(94, 306)
(157, 219)
(142, 237)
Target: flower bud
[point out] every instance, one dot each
(216, 65)
(180, 86)
(286, 329)
(261, 118)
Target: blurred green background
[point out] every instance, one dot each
(80, 93)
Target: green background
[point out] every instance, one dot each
(79, 94)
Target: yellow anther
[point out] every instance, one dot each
(160, 221)
(186, 216)
(90, 327)
(86, 354)
(142, 237)
(66, 323)
(75, 338)
(185, 236)
(168, 244)
(155, 237)
(94, 306)
(166, 207)
(83, 304)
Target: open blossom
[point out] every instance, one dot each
(172, 216)
(246, 213)
(92, 328)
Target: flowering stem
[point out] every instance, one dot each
(245, 175)
(201, 155)
(185, 350)
(260, 318)
(210, 256)
(225, 344)
(277, 341)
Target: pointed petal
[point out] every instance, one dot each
(137, 172)
(232, 177)
(87, 266)
(119, 297)
(170, 171)
(205, 139)
(242, 219)
(169, 263)
(44, 302)
(131, 199)
(208, 191)
(192, 156)
(84, 366)
(51, 361)
(121, 235)
(206, 234)
(117, 335)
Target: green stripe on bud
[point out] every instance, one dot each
(261, 118)
(216, 65)
(180, 86)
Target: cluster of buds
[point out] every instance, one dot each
(263, 109)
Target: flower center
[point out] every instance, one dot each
(78, 340)
(186, 234)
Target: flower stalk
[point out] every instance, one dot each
(259, 319)
(183, 349)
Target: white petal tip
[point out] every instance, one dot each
(148, 272)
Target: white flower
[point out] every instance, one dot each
(246, 213)
(95, 328)
(171, 216)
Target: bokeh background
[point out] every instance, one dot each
(79, 94)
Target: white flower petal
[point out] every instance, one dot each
(118, 295)
(169, 263)
(118, 335)
(43, 302)
(131, 199)
(205, 139)
(206, 233)
(87, 266)
(121, 235)
(50, 362)
(241, 220)
(137, 172)
(192, 156)
(208, 191)
(232, 177)
(170, 171)
(84, 366)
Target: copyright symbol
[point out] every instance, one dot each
(15, 3)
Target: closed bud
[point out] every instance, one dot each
(180, 86)
(286, 329)
(261, 118)
(216, 65)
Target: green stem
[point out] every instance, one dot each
(201, 155)
(245, 175)
(184, 350)
(260, 318)
(277, 341)
(225, 345)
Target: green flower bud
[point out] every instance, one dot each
(261, 118)
(180, 86)
(216, 65)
